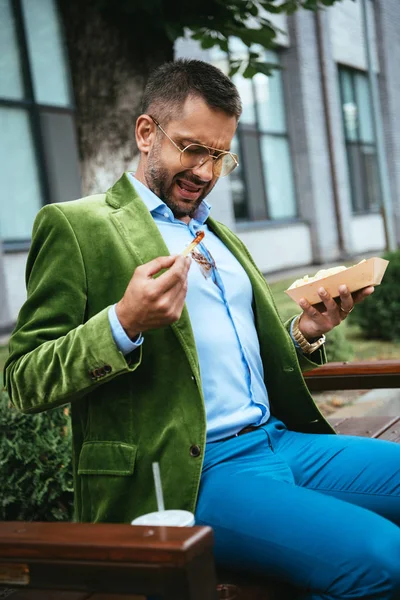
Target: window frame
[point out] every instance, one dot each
(33, 110)
(257, 131)
(358, 144)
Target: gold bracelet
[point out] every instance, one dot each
(304, 344)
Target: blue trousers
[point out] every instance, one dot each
(321, 512)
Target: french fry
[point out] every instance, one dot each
(198, 237)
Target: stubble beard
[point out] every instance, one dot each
(157, 178)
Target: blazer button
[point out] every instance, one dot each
(107, 369)
(195, 451)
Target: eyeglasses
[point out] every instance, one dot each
(196, 155)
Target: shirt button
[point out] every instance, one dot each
(166, 215)
(193, 378)
(195, 451)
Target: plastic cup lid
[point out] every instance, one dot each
(172, 518)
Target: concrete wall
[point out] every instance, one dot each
(308, 136)
(348, 43)
(14, 270)
(221, 203)
(368, 233)
(273, 248)
(5, 317)
(388, 29)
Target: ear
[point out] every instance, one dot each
(145, 133)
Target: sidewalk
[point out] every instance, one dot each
(383, 402)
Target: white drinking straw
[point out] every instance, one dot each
(157, 483)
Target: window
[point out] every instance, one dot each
(360, 140)
(263, 185)
(36, 117)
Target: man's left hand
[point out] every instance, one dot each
(318, 319)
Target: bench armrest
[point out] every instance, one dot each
(354, 375)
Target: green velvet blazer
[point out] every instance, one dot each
(129, 411)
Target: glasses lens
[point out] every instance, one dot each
(224, 165)
(194, 156)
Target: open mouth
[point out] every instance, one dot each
(188, 190)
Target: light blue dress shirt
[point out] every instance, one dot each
(221, 314)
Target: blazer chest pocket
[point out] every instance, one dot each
(107, 458)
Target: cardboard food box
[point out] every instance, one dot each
(369, 272)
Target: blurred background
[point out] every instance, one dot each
(318, 141)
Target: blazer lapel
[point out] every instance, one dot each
(143, 240)
(134, 222)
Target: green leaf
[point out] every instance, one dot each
(223, 44)
(264, 36)
(233, 69)
(249, 71)
(208, 41)
(272, 8)
(267, 68)
(32, 448)
(253, 10)
(198, 35)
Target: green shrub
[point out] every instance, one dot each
(338, 347)
(35, 465)
(379, 315)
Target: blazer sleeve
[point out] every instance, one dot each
(57, 355)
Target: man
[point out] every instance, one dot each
(187, 363)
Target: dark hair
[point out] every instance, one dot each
(171, 83)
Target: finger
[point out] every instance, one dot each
(360, 295)
(156, 265)
(175, 276)
(332, 310)
(346, 303)
(172, 302)
(179, 297)
(312, 312)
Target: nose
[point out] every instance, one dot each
(205, 171)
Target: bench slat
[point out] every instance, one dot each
(392, 433)
(354, 375)
(374, 426)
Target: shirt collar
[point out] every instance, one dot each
(157, 206)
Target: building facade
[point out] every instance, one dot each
(318, 142)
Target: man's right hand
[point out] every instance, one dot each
(150, 303)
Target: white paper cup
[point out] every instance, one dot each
(170, 518)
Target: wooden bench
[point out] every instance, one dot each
(66, 561)
(78, 561)
(366, 375)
